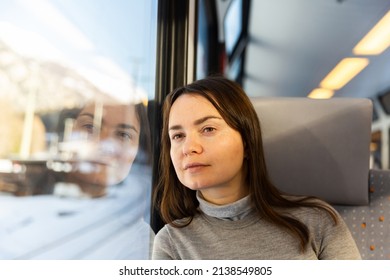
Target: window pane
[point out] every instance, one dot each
(233, 25)
(75, 174)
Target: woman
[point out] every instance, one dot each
(108, 144)
(215, 193)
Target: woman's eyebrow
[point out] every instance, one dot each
(175, 127)
(196, 122)
(126, 126)
(86, 114)
(202, 120)
(119, 125)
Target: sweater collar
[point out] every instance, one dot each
(233, 211)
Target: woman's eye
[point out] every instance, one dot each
(88, 128)
(124, 136)
(208, 129)
(177, 136)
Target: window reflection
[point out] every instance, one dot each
(75, 168)
(102, 145)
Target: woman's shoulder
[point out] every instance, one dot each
(312, 209)
(310, 201)
(176, 225)
(183, 227)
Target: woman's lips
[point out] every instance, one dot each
(193, 167)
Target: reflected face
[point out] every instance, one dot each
(113, 134)
(206, 152)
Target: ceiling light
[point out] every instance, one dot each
(344, 72)
(377, 40)
(321, 93)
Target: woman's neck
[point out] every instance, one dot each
(223, 197)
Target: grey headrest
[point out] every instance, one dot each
(318, 147)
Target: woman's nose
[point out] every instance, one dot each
(105, 133)
(109, 147)
(192, 145)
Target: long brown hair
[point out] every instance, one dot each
(175, 201)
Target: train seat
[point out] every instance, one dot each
(321, 148)
(370, 224)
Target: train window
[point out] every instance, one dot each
(75, 168)
(375, 115)
(202, 55)
(376, 150)
(222, 38)
(234, 70)
(207, 40)
(384, 100)
(233, 25)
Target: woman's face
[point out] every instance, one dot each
(206, 152)
(112, 139)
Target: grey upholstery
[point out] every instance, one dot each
(318, 147)
(370, 224)
(321, 148)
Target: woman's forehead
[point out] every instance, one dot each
(191, 103)
(112, 114)
(190, 108)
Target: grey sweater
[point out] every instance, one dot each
(235, 231)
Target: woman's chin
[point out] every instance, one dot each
(93, 190)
